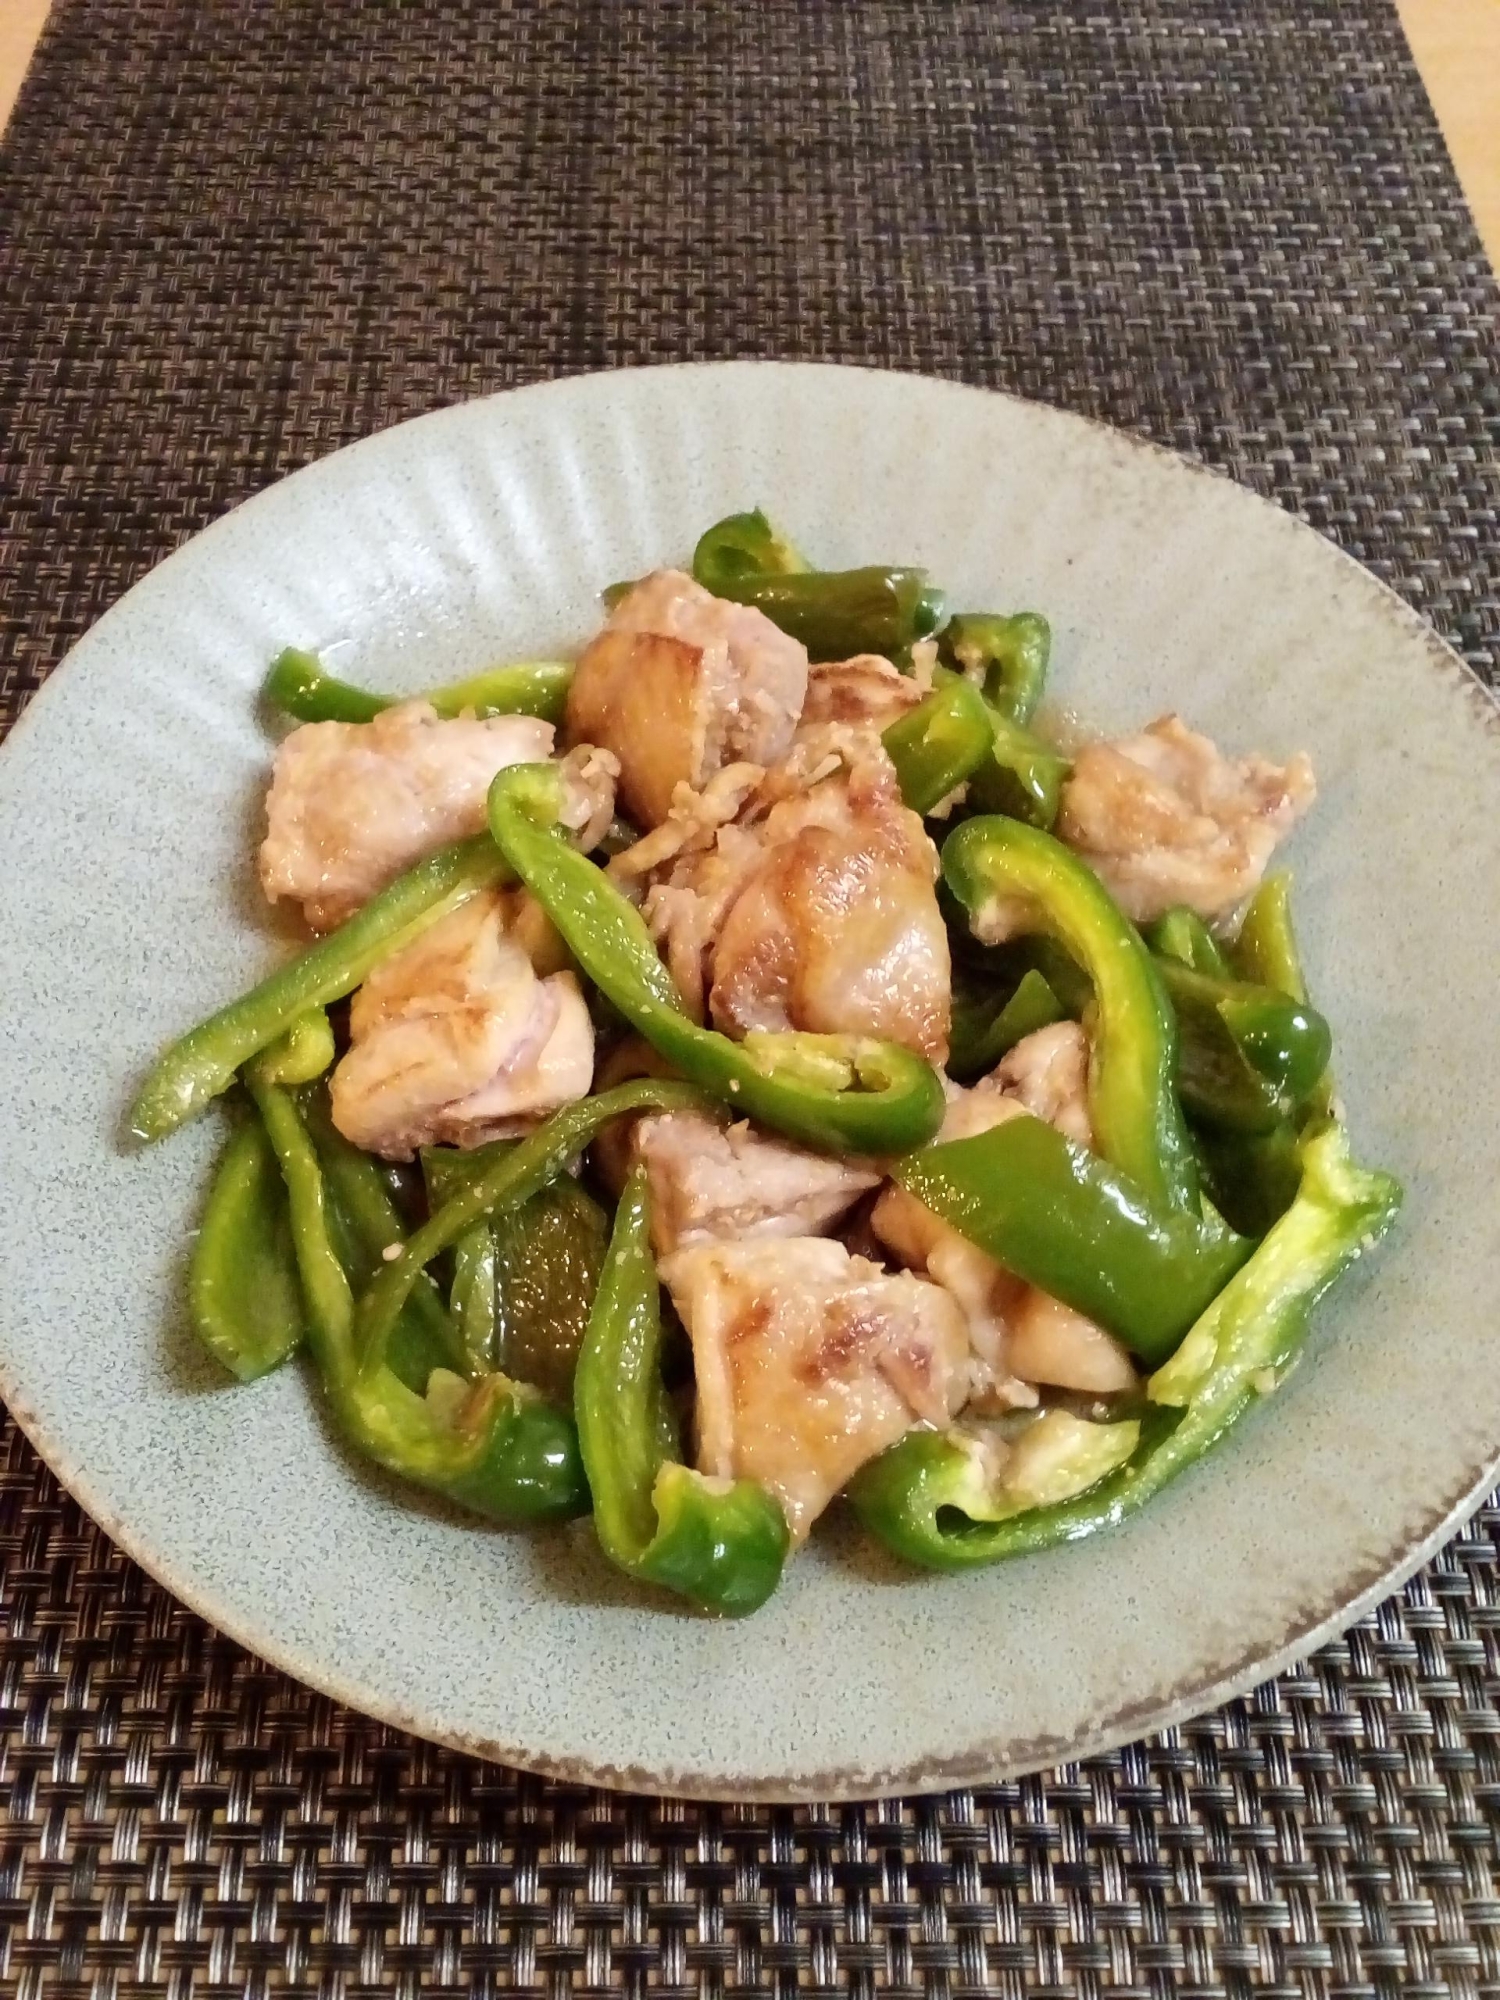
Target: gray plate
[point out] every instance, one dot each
(129, 803)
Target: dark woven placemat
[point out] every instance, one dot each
(234, 237)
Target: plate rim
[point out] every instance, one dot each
(996, 1760)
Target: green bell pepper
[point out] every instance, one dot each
(203, 1063)
(743, 545)
(1020, 775)
(244, 1295)
(523, 1282)
(1182, 934)
(1248, 1055)
(508, 1180)
(1068, 1221)
(837, 1093)
(940, 743)
(931, 1498)
(299, 687)
(1006, 656)
(998, 869)
(492, 1445)
(721, 1544)
(1266, 951)
(985, 1028)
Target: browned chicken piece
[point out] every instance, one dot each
(712, 1183)
(353, 805)
(680, 683)
(1019, 1335)
(809, 1362)
(835, 928)
(454, 1040)
(1165, 818)
(866, 690)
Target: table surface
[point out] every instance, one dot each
(1456, 44)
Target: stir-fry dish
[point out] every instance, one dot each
(754, 1065)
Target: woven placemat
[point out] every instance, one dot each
(234, 237)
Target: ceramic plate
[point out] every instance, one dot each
(129, 808)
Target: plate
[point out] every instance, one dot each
(130, 798)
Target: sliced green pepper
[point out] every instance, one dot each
(930, 1497)
(244, 1294)
(997, 868)
(838, 1093)
(299, 687)
(1020, 776)
(1182, 934)
(1006, 656)
(203, 1063)
(302, 1052)
(984, 1029)
(492, 1445)
(364, 1224)
(1266, 951)
(511, 1179)
(1066, 1220)
(719, 1543)
(739, 546)
(526, 1280)
(838, 613)
(940, 743)
(1248, 1055)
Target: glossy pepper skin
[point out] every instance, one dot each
(244, 1295)
(203, 1063)
(1248, 1055)
(837, 1093)
(984, 1028)
(1006, 656)
(939, 744)
(926, 1497)
(1266, 951)
(740, 546)
(509, 1180)
(720, 1544)
(1018, 774)
(1066, 1220)
(299, 687)
(994, 865)
(492, 1444)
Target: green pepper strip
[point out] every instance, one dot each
(243, 1291)
(925, 1498)
(838, 1093)
(364, 1223)
(203, 1063)
(719, 1543)
(996, 865)
(1065, 1220)
(1266, 951)
(1006, 656)
(838, 613)
(983, 1032)
(511, 1179)
(1183, 935)
(743, 545)
(1020, 776)
(492, 1445)
(471, 1295)
(1248, 1053)
(299, 687)
(303, 1052)
(940, 743)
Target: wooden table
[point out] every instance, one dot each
(1456, 44)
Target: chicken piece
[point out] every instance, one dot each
(1019, 1335)
(867, 691)
(454, 1040)
(353, 805)
(1048, 1072)
(711, 1183)
(834, 926)
(1163, 818)
(810, 1362)
(679, 683)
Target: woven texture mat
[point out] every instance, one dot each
(234, 237)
